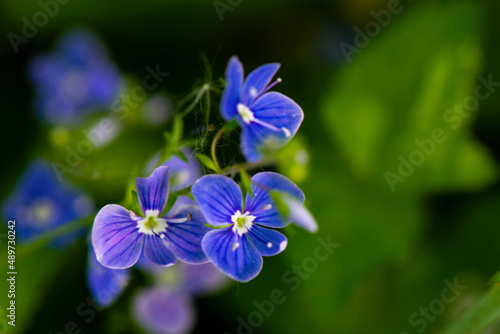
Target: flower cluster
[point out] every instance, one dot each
(218, 223)
(242, 228)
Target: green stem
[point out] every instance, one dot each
(214, 145)
(247, 166)
(183, 191)
(60, 231)
(197, 98)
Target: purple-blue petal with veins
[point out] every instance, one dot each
(184, 238)
(231, 95)
(271, 181)
(116, 238)
(152, 191)
(257, 80)
(163, 310)
(156, 251)
(279, 118)
(268, 242)
(252, 138)
(218, 198)
(232, 254)
(280, 111)
(262, 205)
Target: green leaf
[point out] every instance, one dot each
(384, 109)
(206, 161)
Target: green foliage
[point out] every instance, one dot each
(207, 162)
(401, 89)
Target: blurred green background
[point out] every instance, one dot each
(397, 244)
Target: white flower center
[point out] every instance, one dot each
(245, 113)
(152, 224)
(42, 211)
(242, 222)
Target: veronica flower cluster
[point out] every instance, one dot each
(242, 226)
(211, 227)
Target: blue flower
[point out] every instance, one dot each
(105, 284)
(236, 247)
(40, 203)
(76, 79)
(268, 119)
(119, 236)
(167, 307)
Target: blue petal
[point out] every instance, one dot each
(262, 205)
(235, 256)
(278, 111)
(218, 197)
(251, 145)
(116, 238)
(270, 181)
(105, 285)
(156, 251)
(257, 81)
(184, 239)
(152, 191)
(231, 95)
(300, 215)
(268, 242)
(162, 310)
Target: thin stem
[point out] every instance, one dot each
(197, 98)
(45, 238)
(214, 145)
(247, 166)
(183, 191)
(208, 107)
